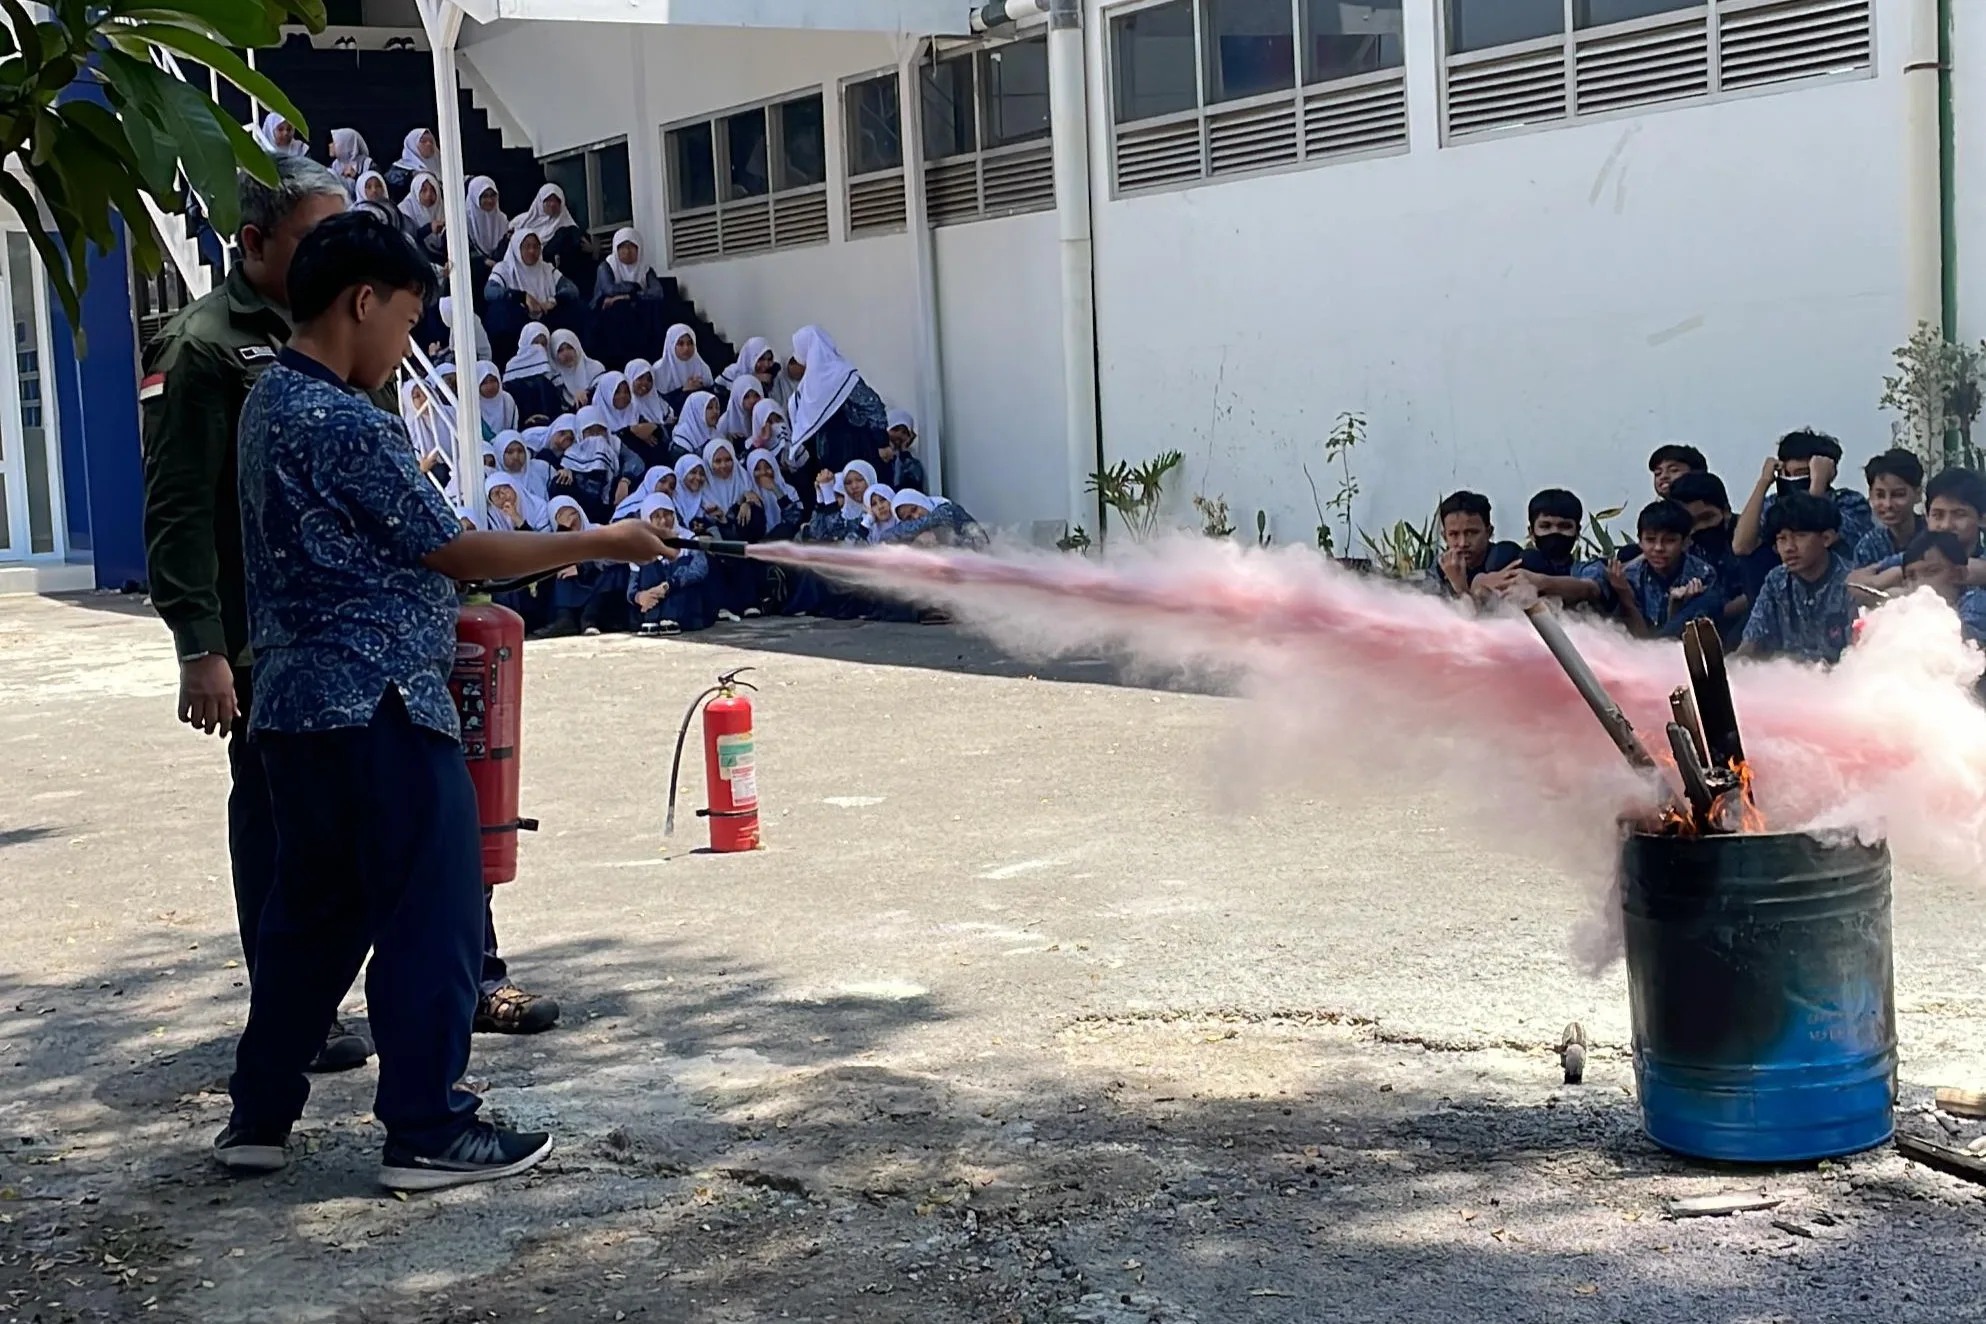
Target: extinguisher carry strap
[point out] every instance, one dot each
(753, 812)
(514, 825)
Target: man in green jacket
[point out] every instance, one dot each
(197, 375)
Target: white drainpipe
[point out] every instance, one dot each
(923, 242)
(1923, 198)
(443, 20)
(1068, 112)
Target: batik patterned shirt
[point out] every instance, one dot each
(1809, 621)
(1879, 545)
(1858, 519)
(1666, 616)
(336, 523)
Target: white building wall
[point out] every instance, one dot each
(1536, 310)
(1969, 106)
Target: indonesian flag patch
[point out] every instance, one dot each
(152, 387)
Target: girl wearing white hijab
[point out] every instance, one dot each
(693, 503)
(747, 393)
(728, 481)
(422, 205)
(667, 594)
(880, 516)
(615, 398)
(417, 153)
(573, 370)
(534, 353)
(544, 219)
(487, 223)
(425, 419)
(648, 401)
(371, 187)
(448, 331)
(696, 427)
(773, 511)
(769, 430)
(681, 367)
(525, 273)
(625, 274)
(581, 594)
(351, 159)
(755, 359)
(515, 462)
(498, 410)
(835, 414)
(657, 480)
(854, 482)
(506, 505)
(278, 137)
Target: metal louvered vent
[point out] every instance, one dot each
(1158, 155)
(1364, 117)
(693, 237)
(1638, 68)
(876, 203)
(1774, 42)
(800, 218)
(1502, 92)
(745, 227)
(1255, 138)
(951, 190)
(1019, 181)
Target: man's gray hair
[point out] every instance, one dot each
(297, 177)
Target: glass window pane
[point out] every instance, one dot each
(616, 190)
(875, 126)
(569, 173)
(1475, 25)
(1152, 59)
(1014, 80)
(1344, 38)
(692, 168)
(802, 143)
(745, 165)
(27, 361)
(948, 122)
(1599, 13)
(1251, 48)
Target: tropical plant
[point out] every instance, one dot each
(1214, 521)
(167, 139)
(1345, 437)
(1599, 542)
(1075, 540)
(1134, 494)
(1404, 550)
(1936, 389)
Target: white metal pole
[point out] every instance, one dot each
(1923, 198)
(923, 257)
(443, 19)
(1068, 112)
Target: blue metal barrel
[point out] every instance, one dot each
(1759, 981)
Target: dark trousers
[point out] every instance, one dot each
(377, 847)
(252, 845)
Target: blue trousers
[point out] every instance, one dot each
(377, 848)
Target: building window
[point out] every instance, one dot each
(748, 180)
(986, 130)
(873, 129)
(1519, 64)
(598, 193)
(1202, 88)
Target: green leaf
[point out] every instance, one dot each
(67, 290)
(205, 152)
(239, 23)
(247, 151)
(136, 87)
(25, 32)
(225, 63)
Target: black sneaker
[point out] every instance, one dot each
(510, 1010)
(483, 1153)
(343, 1050)
(252, 1151)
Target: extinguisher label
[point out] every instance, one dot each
(734, 765)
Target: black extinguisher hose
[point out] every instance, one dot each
(725, 684)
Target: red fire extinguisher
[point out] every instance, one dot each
(488, 686)
(730, 770)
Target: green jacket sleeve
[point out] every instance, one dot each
(186, 449)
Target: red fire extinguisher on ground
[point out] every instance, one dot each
(488, 686)
(730, 770)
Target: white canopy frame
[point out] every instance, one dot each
(914, 21)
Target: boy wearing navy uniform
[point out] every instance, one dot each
(1803, 610)
(1896, 481)
(1709, 507)
(1954, 503)
(351, 559)
(1467, 537)
(1806, 464)
(1666, 587)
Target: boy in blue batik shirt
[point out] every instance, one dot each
(1806, 464)
(1954, 503)
(1469, 547)
(1703, 496)
(351, 561)
(1896, 481)
(1665, 588)
(1803, 610)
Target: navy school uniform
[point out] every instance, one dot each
(1811, 621)
(688, 602)
(1501, 556)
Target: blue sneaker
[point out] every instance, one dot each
(482, 1153)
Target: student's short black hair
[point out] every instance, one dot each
(1558, 504)
(1464, 503)
(1897, 463)
(1962, 485)
(1675, 453)
(1808, 444)
(1946, 545)
(1668, 516)
(355, 248)
(1704, 487)
(1802, 512)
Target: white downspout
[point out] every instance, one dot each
(1068, 112)
(1923, 173)
(923, 257)
(443, 20)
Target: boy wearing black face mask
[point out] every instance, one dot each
(1703, 496)
(1549, 564)
(1806, 463)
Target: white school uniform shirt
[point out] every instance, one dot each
(542, 223)
(829, 381)
(410, 155)
(582, 374)
(673, 374)
(486, 228)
